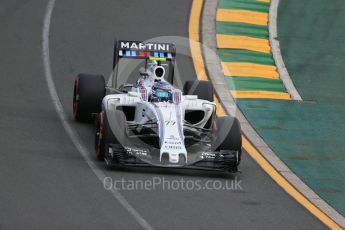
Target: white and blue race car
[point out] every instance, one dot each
(143, 120)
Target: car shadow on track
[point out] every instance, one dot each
(175, 172)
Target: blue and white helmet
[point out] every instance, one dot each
(162, 90)
(162, 85)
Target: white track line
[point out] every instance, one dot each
(277, 56)
(68, 128)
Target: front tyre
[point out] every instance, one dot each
(89, 91)
(228, 132)
(110, 129)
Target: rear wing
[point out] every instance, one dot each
(165, 52)
(135, 49)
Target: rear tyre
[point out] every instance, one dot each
(203, 89)
(89, 91)
(228, 131)
(107, 133)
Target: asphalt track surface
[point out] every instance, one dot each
(46, 184)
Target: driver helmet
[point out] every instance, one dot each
(162, 90)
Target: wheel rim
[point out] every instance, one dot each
(100, 130)
(76, 98)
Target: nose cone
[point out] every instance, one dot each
(174, 158)
(180, 159)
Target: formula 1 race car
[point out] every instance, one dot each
(143, 120)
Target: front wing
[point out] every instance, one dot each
(225, 161)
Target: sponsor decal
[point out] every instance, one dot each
(173, 142)
(172, 137)
(210, 155)
(172, 147)
(137, 152)
(144, 46)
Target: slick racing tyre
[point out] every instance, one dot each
(228, 132)
(107, 133)
(89, 91)
(203, 89)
